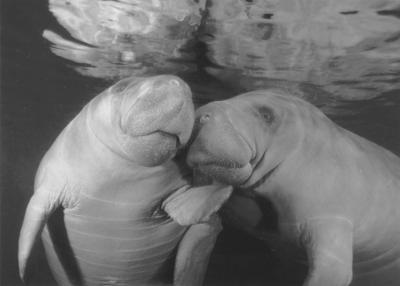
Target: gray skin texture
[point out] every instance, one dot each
(336, 195)
(101, 188)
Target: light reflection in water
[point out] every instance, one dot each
(344, 49)
(350, 48)
(114, 39)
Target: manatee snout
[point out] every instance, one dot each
(161, 104)
(154, 117)
(217, 147)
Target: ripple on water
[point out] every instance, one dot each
(346, 49)
(114, 39)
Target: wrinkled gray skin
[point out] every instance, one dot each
(101, 187)
(337, 195)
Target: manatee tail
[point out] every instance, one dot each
(37, 213)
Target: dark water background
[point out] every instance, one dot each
(40, 94)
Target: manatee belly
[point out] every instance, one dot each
(380, 269)
(376, 259)
(111, 246)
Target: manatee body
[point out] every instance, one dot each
(102, 183)
(336, 195)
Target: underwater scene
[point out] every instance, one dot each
(342, 57)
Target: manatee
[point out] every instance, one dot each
(336, 194)
(101, 188)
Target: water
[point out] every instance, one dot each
(51, 67)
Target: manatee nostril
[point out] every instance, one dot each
(204, 118)
(175, 82)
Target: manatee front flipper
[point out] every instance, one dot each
(194, 252)
(329, 245)
(47, 198)
(191, 205)
(37, 213)
(196, 206)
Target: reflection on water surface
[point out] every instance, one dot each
(114, 39)
(348, 49)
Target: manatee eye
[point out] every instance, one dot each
(266, 114)
(121, 85)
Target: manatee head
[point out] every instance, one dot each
(151, 118)
(240, 140)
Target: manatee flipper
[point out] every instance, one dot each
(37, 213)
(48, 196)
(191, 205)
(329, 245)
(194, 252)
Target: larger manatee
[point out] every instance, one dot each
(101, 186)
(336, 195)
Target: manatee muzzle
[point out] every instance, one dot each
(160, 104)
(217, 148)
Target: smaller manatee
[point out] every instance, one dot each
(336, 195)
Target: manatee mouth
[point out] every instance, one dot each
(222, 163)
(170, 139)
(235, 175)
(170, 136)
(153, 149)
(248, 184)
(219, 168)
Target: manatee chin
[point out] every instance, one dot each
(156, 148)
(229, 168)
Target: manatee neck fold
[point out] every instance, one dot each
(103, 124)
(284, 143)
